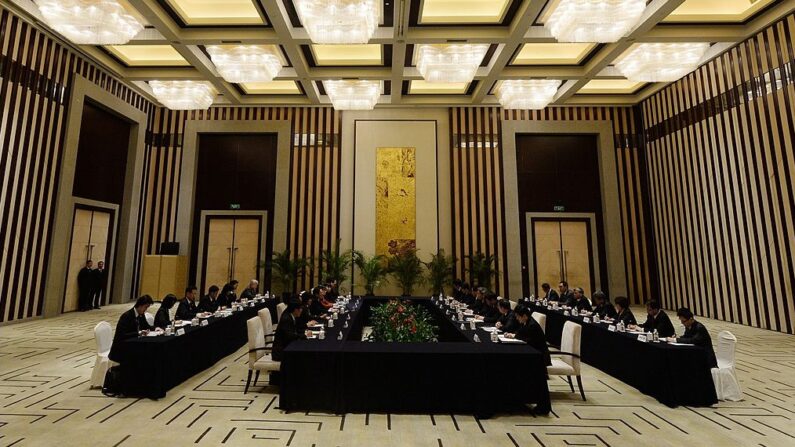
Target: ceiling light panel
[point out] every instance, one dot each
(339, 21)
(552, 53)
(463, 11)
(280, 87)
(217, 12)
(450, 62)
(90, 22)
(184, 95)
(611, 86)
(353, 94)
(347, 55)
(420, 87)
(527, 94)
(660, 62)
(246, 63)
(716, 10)
(148, 55)
(592, 20)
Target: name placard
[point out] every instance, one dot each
(204, 323)
(586, 320)
(180, 331)
(611, 328)
(642, 338)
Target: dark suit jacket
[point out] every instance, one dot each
(662, 323)
(85, 280)
(552, 295)
(207, 304)
(162, 318)
(186, 310)
(627, 317)
(490, 314)
(248, 294)
(130, 323)
(532, 334)
(287, 331)
(605, 310)
(698, 335)
(583, 304)
(508, 322)
(568, 298)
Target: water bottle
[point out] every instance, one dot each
(463, 328)
(345, 325)
(339, 336)
(330, 322)
(494, 337)
(476, 338)
(322, 334)
(656, 336)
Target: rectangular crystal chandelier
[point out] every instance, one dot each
(353, 94)
(184, 95)
(594, 20)
(90, 22)
(339, 21)
(246, 63)
(531, 94)
(450, 62)
(661, 62)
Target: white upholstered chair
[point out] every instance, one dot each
(267, 322)
(541, 319)
(727, 387)
(566, 362)
(279, 309)
(103, 334)
(259, 353)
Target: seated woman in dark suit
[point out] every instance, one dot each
(530, 332)
(287, 331)
(507, 320)
(162, 317)
(308, 318)
(131, 324)
(602, 306)
(623, 313)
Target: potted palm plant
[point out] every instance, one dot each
(481, 268)
(407, 270)
(440, 271)
(373, 271)
(286, 270)
(335, 264)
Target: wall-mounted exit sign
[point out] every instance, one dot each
(234, 206)
(559, 208)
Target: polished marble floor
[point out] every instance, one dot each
(45, 400)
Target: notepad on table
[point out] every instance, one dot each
(504, 339)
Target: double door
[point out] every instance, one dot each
(91, 232)
(232, 250)
(563, 252)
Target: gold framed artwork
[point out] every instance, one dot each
(396, 200)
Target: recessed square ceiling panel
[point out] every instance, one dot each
(148, 55)
(553, 53)
(347, 55)
(716, 10)
(611, 87)
(217, 12)
(419, 87)
(463, 11)
(271, 88)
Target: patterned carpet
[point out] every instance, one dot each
(45, 399)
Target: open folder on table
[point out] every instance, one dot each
(504, 339)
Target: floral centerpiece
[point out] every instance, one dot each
(401, 321)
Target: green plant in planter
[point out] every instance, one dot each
(481, 268)
(285, 271)
(407, 270)
(401, 321)
(440, 271)
(372, 270)
(335, 264)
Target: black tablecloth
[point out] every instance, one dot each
(674, 375)
(153, 365)
(458, 376)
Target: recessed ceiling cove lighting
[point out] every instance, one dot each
(594, 20)
(90, 22)
(353, 94)
(246, 63)
(661, 62)
(533, 94)
(184, 95)
(450, 62)
(339, 21)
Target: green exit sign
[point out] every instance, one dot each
(234, 206)
(559, 208)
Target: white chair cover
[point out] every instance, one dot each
(279, 309)
(541, 319)
(727, 387)
(103, 334)
(256, 339)
(149, 318)
(570, 342)
(267, 323)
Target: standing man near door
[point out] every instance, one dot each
(85, 286)
(100, 276)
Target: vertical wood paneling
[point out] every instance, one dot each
(720, 159)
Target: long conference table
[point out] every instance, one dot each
(153, 365)
(674, 375)
(454, 375)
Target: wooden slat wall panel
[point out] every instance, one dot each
(721, 165)
(313, 214)
(477, 193)
(36, 73)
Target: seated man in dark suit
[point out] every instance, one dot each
(187, 308)
(287, 331)
(466, 295)
(489, 312)
(581, 302)
(507, 320)
(163, 317)
(308, 318)
(623, 312)
(131, 324)
(530, 332)
(210, 302)
(695, 334)
(549, 293)
(251, 291)
(564, 294)
(602, 305)
(479, 299)
(457, 283)
(658, 319)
